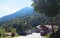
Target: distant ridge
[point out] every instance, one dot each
(23, 12)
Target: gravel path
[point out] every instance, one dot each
(34, 35)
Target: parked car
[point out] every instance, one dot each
(43, 34)
(29, 33)
(22, 33)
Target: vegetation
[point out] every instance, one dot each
(47, 11)
(23, 23)
(49, 8)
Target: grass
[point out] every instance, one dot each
(46, 36)
(3, 37)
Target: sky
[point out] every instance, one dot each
(10, 6)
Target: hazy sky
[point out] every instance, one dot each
(10, 6)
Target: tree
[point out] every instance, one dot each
(49, 8)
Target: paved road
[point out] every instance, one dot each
(34, 35)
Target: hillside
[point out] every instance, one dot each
(21, 13)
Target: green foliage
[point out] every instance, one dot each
(21, 24)
(47, 7)
(2, 33)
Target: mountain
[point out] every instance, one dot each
(21, 13)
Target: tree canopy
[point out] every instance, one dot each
(48, 7)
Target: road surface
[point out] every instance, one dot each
(34, 35)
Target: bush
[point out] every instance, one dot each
(2, 33)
